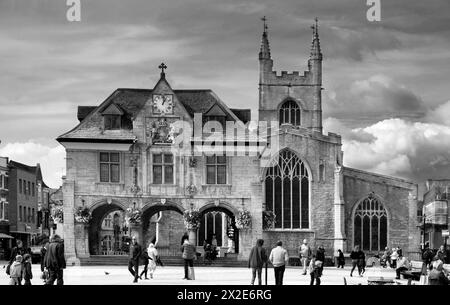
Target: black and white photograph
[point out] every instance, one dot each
(233, 143)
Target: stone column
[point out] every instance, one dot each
(245, 243)
(193, 236)
(68, 189)
(414, 231)
(81, 240)
(136, 230)
(339, 210)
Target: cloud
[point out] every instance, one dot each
(51, 159)
(378, 96)
(397, 147)
(440, 114)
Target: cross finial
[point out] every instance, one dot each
(162, 66)
(264, 19)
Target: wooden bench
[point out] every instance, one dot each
(380, 280)
(414, 272)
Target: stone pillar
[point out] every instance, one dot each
(136, 230)
(81, 240)
(193, 236)
(245, 243)
(339, 210)
(414, 231)
(68, 189)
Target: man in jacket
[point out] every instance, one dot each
(135, 255)
(55, 261)
(19, 249)
(256, 260)
(305, 255)
(279, 258)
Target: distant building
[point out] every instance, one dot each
(25, 188)
(5, 238)
(435, 212)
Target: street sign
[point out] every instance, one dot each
(445, 233)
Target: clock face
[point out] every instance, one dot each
(163, 104)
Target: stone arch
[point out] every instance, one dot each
(288, 98)
(265, 168)
(230, 211)
(354, 208)
(151, 208)
(100, 209)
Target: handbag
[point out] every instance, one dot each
(44, 275)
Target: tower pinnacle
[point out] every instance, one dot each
(264, 52)
(315, 47)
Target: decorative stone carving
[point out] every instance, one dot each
(192, 162)
(161, 131)
(191, 189)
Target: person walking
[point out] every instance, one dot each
(55, 261)
(320, 256)
(145, 259)
(437, 275)
(19, 249)
(135, 255)
(27, 273)
(362, 262)
(427, 257)
(305, 255)
(279, 258)
(256, 261)
(354, 255)
(153, 258)
(340, 259)
(16, 271)
(394, 257)
(401, 265)
(188, 254)
(312, 269)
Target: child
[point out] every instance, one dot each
(16, 271)
(27, 274)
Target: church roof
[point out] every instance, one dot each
(131, 102)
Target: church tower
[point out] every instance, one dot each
(291, 98)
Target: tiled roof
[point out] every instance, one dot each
(131, 101)
(245, 115)
(83, 111)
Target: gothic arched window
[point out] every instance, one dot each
(370, 225)
(290, 113)
(287, 191)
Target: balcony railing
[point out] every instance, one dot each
(436, 212)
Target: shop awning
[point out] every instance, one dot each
(3, 235)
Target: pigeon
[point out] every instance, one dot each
(106, 273)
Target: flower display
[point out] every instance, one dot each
(57, 214)
(268, 220)
(192, 219)
(243, 220)
(82, 215)
(133, 215)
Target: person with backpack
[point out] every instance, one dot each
(19, 249)
(304, 254)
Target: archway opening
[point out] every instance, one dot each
(108, 232)
(218, 228)
(163, 225)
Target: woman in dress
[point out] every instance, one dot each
(152, 255)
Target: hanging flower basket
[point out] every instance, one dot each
(244, 220)
(133, 215)
(192, 219)
(82, 215)
(57, 214)
(268, 220)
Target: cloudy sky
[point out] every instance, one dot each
(386, 83)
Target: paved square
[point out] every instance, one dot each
(172, 275)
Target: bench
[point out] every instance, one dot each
(380, 280)
(414, 272)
